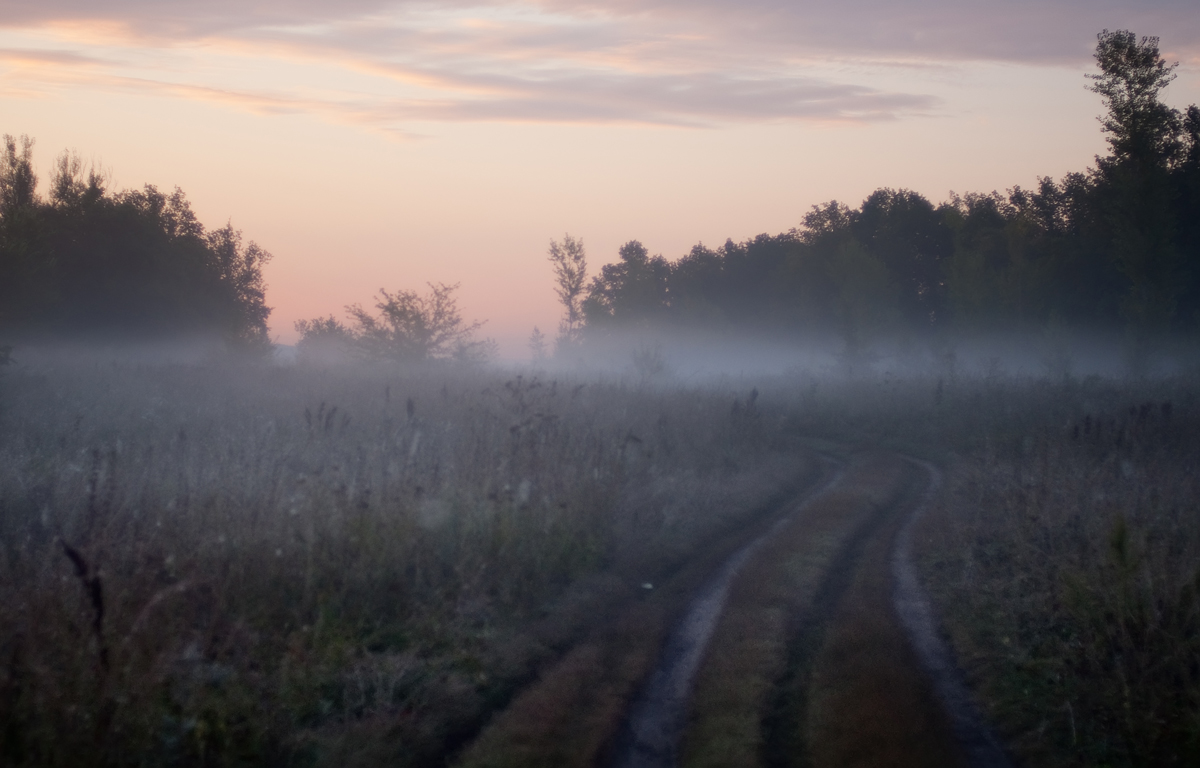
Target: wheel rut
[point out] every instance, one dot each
(806, 641)
(786, 742)
(650, 736)
(572, 713)
(856, 674)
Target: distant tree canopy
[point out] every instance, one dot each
(1116, 247)
(88, 263)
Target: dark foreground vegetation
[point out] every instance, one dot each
(1068, 569)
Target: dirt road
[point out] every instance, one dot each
(807, 643)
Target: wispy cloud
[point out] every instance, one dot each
(697, 63)
(35, 57)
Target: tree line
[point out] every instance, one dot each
(1113, 248)
(84, 262)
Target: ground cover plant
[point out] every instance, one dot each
(298, 565)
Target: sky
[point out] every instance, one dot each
(373, 144)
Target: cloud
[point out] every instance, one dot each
(697, 100)
(1038, 31)
(25, 56)
(668, 62)
(692, 101)
(1023, 31)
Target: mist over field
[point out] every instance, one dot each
(910, 483)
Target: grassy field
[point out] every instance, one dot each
(271, 565)
(305, 566)
(1067, 568)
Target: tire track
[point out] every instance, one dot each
(852, 691)
(650, 736)
(916, 615)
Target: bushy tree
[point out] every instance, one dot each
(407, 327)
(1135, 187)
(1140, 127)
(324, 340)
(632, 291)
(88, 263)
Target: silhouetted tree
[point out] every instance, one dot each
(1187, 215)
(632, 291)
(88, 263)
(903, 230)
(570, 278)
(71, 186)
(1115, 246)
(828, 220)
(409, 328)
(324, 340)
(18, 182)
(1133, 187)
(1140, 128)
(698, 289)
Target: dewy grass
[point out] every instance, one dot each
(316, 566)
(1067, 569)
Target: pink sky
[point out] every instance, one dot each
(373, 144)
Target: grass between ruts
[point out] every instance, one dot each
(750, 705)
(869, 701)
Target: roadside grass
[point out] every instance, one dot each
(1066, 568)
(228, 565)
(748, 703)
